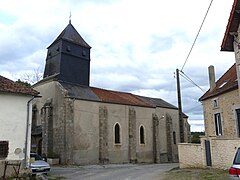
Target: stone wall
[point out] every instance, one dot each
(190, 155)
(222, 153)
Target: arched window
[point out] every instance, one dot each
(174, 137)
(142, 136)
(117, 133)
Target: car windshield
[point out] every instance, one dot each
(36, 156)
(237, 157)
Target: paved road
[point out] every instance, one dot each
(114, 171)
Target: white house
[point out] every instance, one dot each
(15, 118)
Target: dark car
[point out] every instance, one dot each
(234, 171)
(38, 165)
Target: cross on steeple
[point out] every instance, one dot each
(70, 16)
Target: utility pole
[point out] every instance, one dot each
(180, 108)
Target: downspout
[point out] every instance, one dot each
(27, 127)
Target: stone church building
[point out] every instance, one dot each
(81, 124)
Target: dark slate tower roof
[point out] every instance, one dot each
(71, 34)
(68, 58)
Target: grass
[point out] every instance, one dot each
(196, 174)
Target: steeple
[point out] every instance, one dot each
(68, 57)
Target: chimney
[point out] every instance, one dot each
(211, 73)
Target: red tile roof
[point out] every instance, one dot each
(226, 83)
(232, 26)
(9, 86)
(119, 97)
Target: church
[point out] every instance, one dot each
(81, 124)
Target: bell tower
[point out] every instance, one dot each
(68, 58)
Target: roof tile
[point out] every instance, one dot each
(232, 26)
(119, 97)
(225, 84)
(9, 86)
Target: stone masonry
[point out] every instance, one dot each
(47, 129)
(169, 138)
(156, 143)
(68, 131)
(132, 136)
(103, 135)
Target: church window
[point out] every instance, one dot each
(3, 149)
(142, 136)
(174, 137)
(117, 133)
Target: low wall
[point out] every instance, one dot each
(222, 153)
(190, 155)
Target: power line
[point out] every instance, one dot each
(197, 34)
(190, 80)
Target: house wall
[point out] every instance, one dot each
(86, 132)
(59, 130)
(144, 117)
(168, 150)
(117, 114)
(228, 102)
(82, 132)
(237, 55)
(13, 118)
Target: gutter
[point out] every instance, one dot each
(27, 130)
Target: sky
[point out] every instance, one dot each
(137, 45)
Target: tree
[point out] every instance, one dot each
(195, 137)
(32, 77)
(24, 83)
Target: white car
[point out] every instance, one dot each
(38, 165)
(234, 170)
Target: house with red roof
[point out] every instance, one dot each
(81, 124)
(221, 106)
(15, 129)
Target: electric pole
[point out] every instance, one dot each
(181, 130)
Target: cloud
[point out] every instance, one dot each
(136, 45)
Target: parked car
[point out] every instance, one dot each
(234, 171)
(38, 165)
